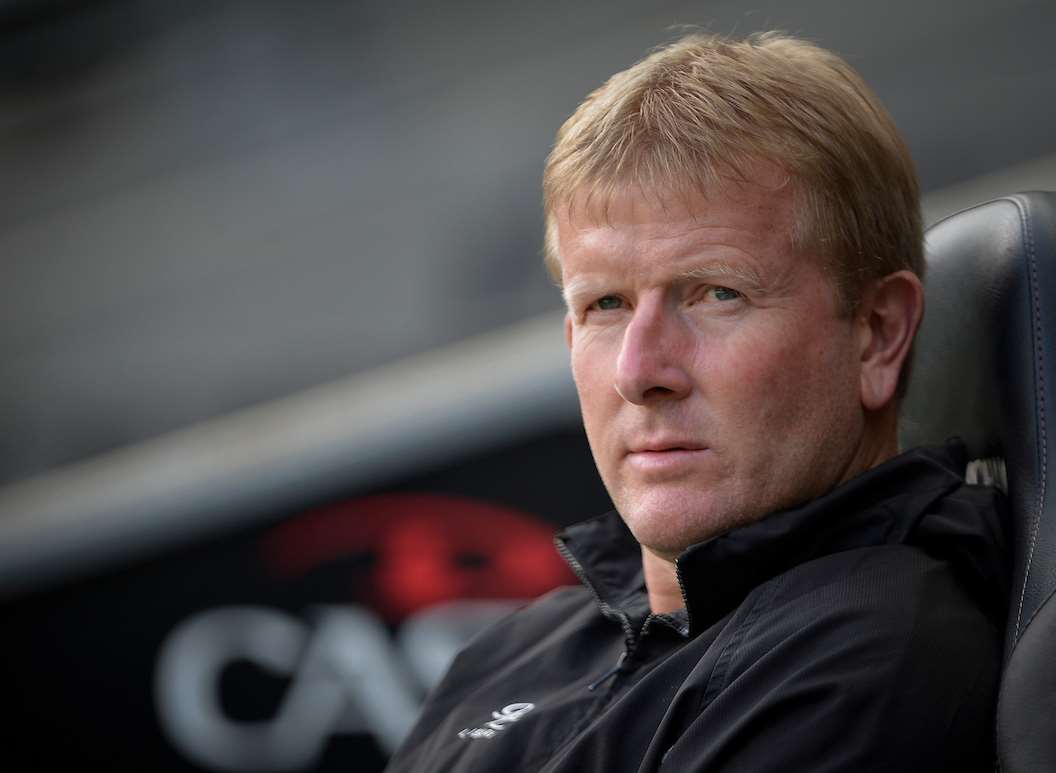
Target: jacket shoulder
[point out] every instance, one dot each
(861, 659)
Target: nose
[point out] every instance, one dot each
(652, 360)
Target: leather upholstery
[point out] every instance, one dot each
(984, 370)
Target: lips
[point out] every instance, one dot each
(661, 446)
(659, 460)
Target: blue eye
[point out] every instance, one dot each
(725, 294)
(608, 303)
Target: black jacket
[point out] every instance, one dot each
(858, 632)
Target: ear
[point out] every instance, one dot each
(888, 317)
(568, 330)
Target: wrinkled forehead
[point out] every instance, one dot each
(638, 205)
(764, 202)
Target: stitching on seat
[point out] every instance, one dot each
(1037, 611)
(1040, 375)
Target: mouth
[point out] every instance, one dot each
(661, 461)
(665, 447)
(659, 458)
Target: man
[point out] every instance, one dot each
(735, 227)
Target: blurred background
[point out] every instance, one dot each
(284, 388)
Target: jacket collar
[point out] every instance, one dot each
(881, 506)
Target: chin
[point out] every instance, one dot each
(667, 526)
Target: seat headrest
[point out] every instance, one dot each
(984, 371)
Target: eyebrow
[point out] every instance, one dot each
(717, 269)
(580, 287)
(710, 270)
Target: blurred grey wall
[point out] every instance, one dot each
(211, 204)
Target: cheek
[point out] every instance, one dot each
(590, 369)
(750, 364)
(771, 380)
(593, 367)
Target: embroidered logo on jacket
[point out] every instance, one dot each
(499, 720)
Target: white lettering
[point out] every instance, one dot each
(346, 677)
(500, 719)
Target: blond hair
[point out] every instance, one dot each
(705, 108)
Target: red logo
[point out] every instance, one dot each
(411, 551)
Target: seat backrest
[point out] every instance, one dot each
(984, 371)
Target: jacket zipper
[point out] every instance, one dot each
(606, 610)
(685, 600)
(608, 674)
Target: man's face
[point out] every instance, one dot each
(718, 380)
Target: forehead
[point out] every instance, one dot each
(633, 229)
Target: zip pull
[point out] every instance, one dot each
(608, 674)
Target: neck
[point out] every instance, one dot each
(880, 441)
(661, 582)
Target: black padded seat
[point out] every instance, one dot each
(984, 371)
